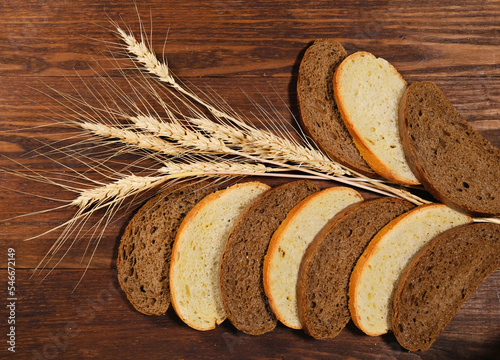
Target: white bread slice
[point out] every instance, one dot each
(196, 253)
(377, 272)
(367, 91)
(289, 243)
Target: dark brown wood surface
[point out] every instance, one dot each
(239, 50)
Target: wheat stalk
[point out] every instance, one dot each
(254, 141)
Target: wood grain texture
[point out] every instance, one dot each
(245, 51)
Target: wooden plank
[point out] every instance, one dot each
(27, 105)
(96, 321)
(258, 38)
(243, 51)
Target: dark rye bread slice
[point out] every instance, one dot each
(146, 246)
(439, 279)
(319, 115)
(242, 288)
(326, 267)
(454, 162)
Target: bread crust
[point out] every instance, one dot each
(175, 256)
(371, 158)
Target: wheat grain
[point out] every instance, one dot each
(270, 146)
(145, 56)
(118, 189)
(211, 167)
(123, 188)
(181, 134)
(135, 139)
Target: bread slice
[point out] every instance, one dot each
(376, 274)
(242, 289)
(289, 243)
(440, 279)
(194, 269)
(453, 161)
(146, 246)
(319, 115)
(367, 90)
(325, 269)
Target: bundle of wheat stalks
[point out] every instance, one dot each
(206, 141)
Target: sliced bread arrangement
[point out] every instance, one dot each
(367, 90)
(439, 279)
(377, 272)
(289, 243)
(145, 248)
(315, 259)
(453, 161)
(242, 288)
(323, 283)
(332, 256)
(198, 245)
(319, 116)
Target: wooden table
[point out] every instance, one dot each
(240, 50)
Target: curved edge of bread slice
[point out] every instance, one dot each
(440, 278)
(289, 243)
(200, 240)
(375, 276)
(367, 90)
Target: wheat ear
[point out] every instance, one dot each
(211, 167)
(123, 188)
(135, 139)
(270, 146)
(181, 134)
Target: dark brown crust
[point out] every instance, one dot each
(454, 162)
(323, 285)
(439, 279)
(242, 262)
(143, 261)
(320, 117)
